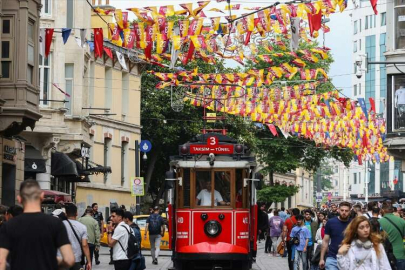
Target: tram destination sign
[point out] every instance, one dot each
(212, 146)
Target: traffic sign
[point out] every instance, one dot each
(137, 187)
(145, 146)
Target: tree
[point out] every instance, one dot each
(276, 193)
(281, 155)
(167, 129)
(324, 171)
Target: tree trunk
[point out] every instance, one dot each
(160, 194)
(151, 167)
(271, 175)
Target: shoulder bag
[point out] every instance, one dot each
(82, 261)
(296, 239)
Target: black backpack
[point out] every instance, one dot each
(133, 245)
(155, 224)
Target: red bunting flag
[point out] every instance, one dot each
(273, 130)
(374, 5)
(48, 40)
(315, 22)
(372, 104)
(108, 52)
(98, 42)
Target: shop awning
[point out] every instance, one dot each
(83, 176)
(62, 165)
(56, 196)
(34, 162)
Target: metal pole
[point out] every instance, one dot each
(366, 183)
(137, 174)
(318, 187)
(302, 191)
(344, 184)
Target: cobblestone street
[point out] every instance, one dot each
(263, 261)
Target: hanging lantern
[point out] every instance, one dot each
(396, 180)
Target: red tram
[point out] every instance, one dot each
(212, 204)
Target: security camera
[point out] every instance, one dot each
(358, 61)
(359, 73)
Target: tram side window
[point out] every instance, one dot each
(186, 188)
(222, 188)
(239, 188)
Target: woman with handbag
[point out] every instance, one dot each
(361, 249)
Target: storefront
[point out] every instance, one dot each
(12, 169)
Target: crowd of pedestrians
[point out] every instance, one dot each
(31, 239)
(336, 237)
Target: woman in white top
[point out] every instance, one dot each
(360, 249)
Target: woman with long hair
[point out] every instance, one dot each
(361, 249)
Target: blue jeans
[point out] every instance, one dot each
(400, 264)
(300, 256)
(331, 264)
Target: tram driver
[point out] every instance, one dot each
(204, 197)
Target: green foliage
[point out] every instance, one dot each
(282, 155)
(276, 193)
(324, 171)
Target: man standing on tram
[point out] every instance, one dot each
(204, 197)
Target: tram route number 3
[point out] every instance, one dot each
(212, 146)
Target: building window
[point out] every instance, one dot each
(107, 148)
(355, 46)
(7, 48)
(69, 14)
(108, 88)
(399, 19)
(359, 177)
(46, 7)
(124, 154)
(383, 18)
(45, 79)
(355, 27)
(125, 93)
(360, 25)
(359, 44)
(91, 83)
(366, 26)
(398, 104)
(69, 81)
(375, 20)
(355, 178)
(359, 88)
(355, 89)
(31, 52)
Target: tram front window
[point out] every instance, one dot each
(205, 186)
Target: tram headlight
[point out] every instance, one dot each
(212, 228)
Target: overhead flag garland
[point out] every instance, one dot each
(167, 36)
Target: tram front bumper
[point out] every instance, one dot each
(212, 251)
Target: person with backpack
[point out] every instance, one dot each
(289, 224)
(138, 261)
(119, 240)
(395, 228)
(77, 233)
(300, 236)
(155, 227)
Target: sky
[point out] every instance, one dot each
(339, 39)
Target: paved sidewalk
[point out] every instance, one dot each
(263, 261)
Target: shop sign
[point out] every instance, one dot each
(212, 146)
(9, 152)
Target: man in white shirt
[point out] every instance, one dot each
(204, 197)
(118, 239)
